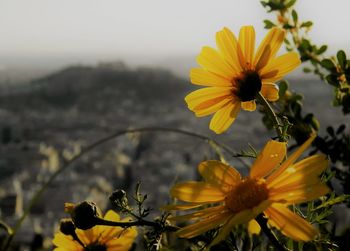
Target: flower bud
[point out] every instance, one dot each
(118, 199)
(85, 215)
(67, 227)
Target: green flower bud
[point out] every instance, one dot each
(85, 215)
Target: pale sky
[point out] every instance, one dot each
(145, 28)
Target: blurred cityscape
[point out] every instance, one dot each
(45, 121)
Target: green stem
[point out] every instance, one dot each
(267, 231)
(117, 134)
(272, 115)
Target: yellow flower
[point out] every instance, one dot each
(225, 199)
(98, 238)
(235, 75)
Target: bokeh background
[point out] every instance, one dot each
(72, 72)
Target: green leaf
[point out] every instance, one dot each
(333, 80)
(295, 16)
(268, 24)
(283, 87)
(322, 49)
(341, 56)
(306, 24)
(290, 3)
(333, 201)
(328, 64)
(306, 70)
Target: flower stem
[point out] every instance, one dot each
(273, 117)
(272, 238)
(87, 149)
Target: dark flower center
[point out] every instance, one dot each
(248, 85)
(247, 194)
(95, 247)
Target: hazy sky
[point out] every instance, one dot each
(145, 28)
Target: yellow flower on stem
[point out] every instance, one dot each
(98, 238)
(224, 199)
(235, 74)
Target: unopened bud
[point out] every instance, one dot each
(118, 199)
(85, 215)
(67, 227)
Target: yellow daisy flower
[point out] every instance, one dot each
(225, 199)
(98, 238)
(235, 75)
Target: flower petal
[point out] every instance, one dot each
(211, 106)
(254, 227)
(302, 172)
(279, 67)
(200, 192)
(291, 225)
(219, 175)
(204, 213)
(224, 117)
(246, 41)
(289, 161)
(268, 47)
(228, 46)
(200, 76)
(298, 194)
(203, 225)
(198, 99)
(249, 105)
(270, 91)
(268, 159)
(212, 61)
(241, 217)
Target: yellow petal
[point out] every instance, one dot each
(211, 106)
(219, 175)
(270, 91)
(237, 219)
(291, 225)
(268, 159)
(203, 225)
(291, 159)
(224, 117)
(246, 41)
(204, 213)
(298, 194)
(200, 76)
(249, 105)
(200, 97)
(228, 46)
(212, 61)
(301, 172)
(268, 47)
(65, 242)
(279, 67)
(199, 192)
(112, 216)
(254, 227)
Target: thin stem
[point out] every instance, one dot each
(117, 134)
(272, 115)
(139, 222)
(273, 239)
